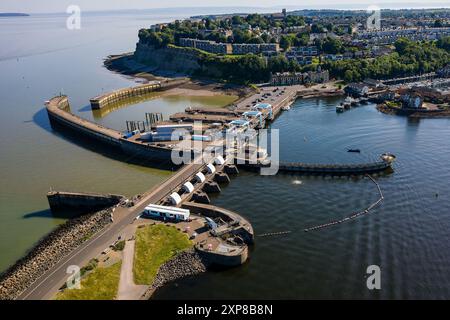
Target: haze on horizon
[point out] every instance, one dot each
(48, 6)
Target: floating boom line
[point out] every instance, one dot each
(355, 215)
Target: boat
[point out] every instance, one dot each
(354, 150)
(347, 102)
(354, 102)
(340, 109)
(388, 157)
(364, 100)
(286, 108)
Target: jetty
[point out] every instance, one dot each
(119, 95)
(337, 169)
(385, 164)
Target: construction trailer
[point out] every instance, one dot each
(164, 212)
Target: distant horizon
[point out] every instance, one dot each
(263, 9)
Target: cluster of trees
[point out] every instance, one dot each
(249, 68)
(444, 43)
(330, 45)
(409, 58)
(171, 33)
(439, 23)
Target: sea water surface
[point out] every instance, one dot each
(40, 58)
(407, 237)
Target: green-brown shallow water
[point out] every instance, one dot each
(38, 59)
(408, 236)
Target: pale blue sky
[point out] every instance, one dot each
(32, 6)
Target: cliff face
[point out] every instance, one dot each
(176, 60)
(170, 59)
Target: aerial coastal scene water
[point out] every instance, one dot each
(89, 181)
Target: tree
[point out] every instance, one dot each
(265, 37)
(317, 28)
(438, 23)
(241, 36)
(155, 39)
(278, 64)
(444, 43)
(302, 39)
(409, 59)
(166, 39)
(348, 76)
(331, 45)
(256, 40)
(237, 20)
(286, 41)
(402, 44)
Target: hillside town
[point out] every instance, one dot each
(403, 53)
(303, 41)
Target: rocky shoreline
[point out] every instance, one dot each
(49, 251)
(184, 264)
(126, 65)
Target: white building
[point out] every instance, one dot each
(164, 212)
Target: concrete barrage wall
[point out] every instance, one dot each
(60, 117)
(120, 95)
(58, 111)
(237, 257)
(88, 202)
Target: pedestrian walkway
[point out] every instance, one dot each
(127, 289)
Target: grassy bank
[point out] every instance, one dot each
(100, 284)
(154, 246)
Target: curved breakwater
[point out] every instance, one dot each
(60, 116)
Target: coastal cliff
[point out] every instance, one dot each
(190, 61)
(169, 59)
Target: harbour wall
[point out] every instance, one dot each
(327, 169)
(238, 256)
(58, 110)
(245, 231)
(120, 95)
(84, 202)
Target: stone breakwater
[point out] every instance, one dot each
(186, 263)
(49, 251)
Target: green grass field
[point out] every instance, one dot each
(100, 284)
(154, 246)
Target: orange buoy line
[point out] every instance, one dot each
(355, 215)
